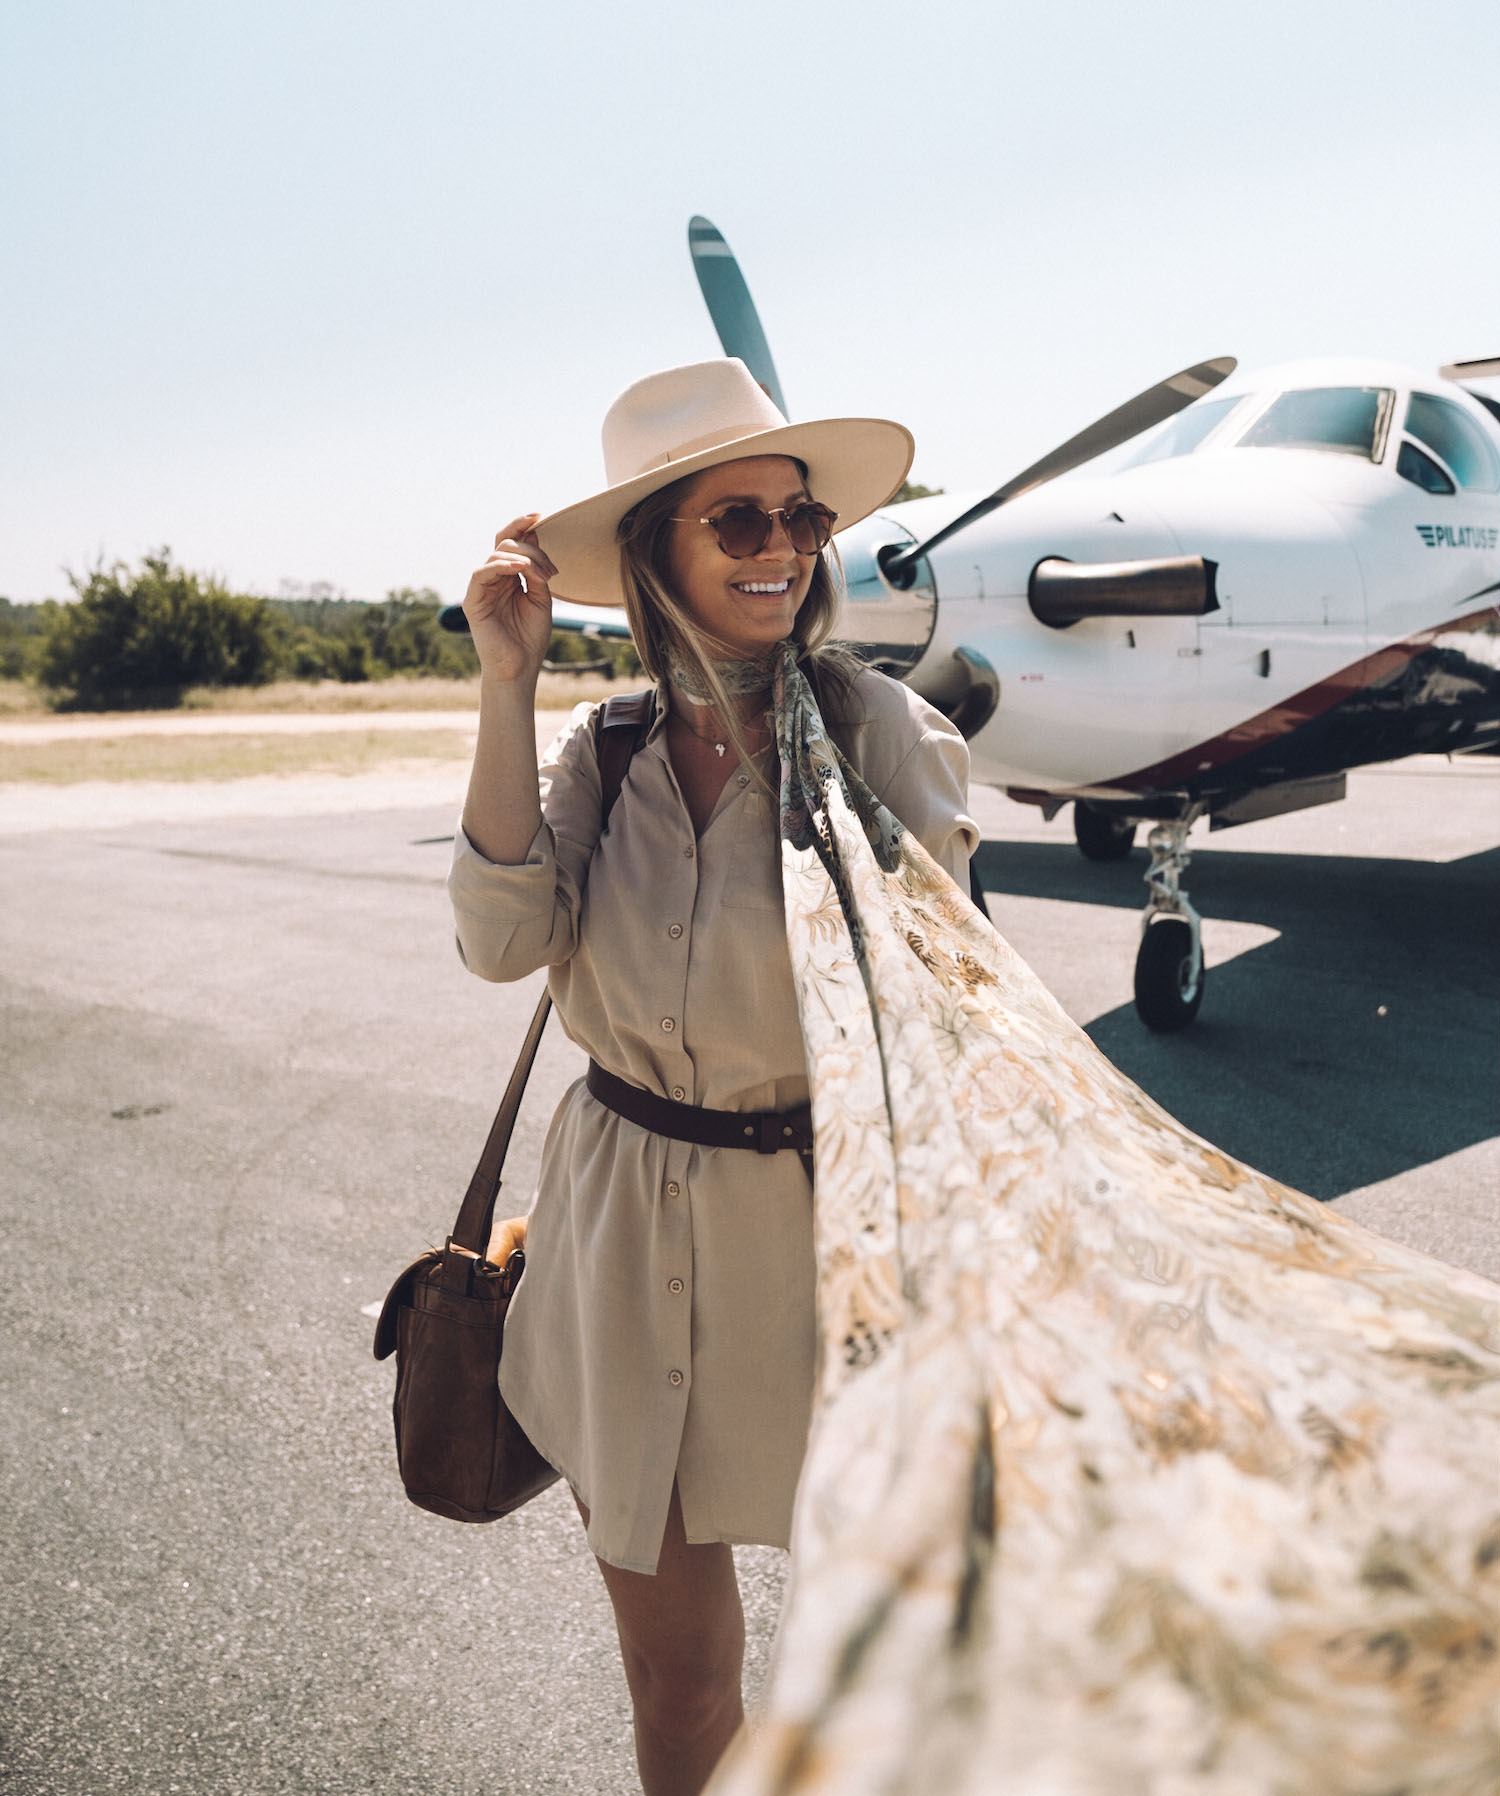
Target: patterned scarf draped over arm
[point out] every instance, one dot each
(1131, 1471)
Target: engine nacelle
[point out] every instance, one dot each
(1062, 592)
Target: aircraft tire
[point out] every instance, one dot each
(1166, 995)
(1099, 836)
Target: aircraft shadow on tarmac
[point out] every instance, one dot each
(1291, 1065)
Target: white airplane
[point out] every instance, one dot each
(1296, 572)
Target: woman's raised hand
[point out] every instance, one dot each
(509, 604)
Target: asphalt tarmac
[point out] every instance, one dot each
(246, 1079)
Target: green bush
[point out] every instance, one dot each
(406, 637)
(569, 649)
(142, 638)
(568, 646)
(23, 630)
(326, 638)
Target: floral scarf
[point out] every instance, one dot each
(1131, 1470)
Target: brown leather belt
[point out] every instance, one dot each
(767, 1131)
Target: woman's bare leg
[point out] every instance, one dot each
(682, 1637)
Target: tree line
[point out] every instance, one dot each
(141, 637)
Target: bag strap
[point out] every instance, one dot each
(620, 727)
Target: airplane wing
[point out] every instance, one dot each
(586, 620)
(591, 620)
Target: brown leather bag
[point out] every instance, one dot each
(460, 1451)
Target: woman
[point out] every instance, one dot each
(660, 1348)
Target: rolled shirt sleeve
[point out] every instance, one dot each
(510, 920)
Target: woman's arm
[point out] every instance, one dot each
(513, 917)
(509, 608)
(917, 764)
(929, 792)
(515, 879)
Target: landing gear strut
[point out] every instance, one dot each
(1169, 971)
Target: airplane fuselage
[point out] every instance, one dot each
(1357, 617)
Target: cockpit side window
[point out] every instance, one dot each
(1421, 470)
(1345, 420)
(1456, 439)
(1184, 433)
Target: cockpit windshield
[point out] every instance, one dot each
(1343, 420)
(1184, 433)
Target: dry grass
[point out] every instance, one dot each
(229, 757)
(555, 692)
(20, 699)
(322, 697)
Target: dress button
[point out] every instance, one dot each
(744, 779)
(675, 1287)
(675, 931)
(674, 1378)
(673, 1188)
(688, 852)
(669, 1023)
(678, 1094)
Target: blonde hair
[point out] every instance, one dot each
(664, 631)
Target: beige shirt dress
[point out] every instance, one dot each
(665, 1325)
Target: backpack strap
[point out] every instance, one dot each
(621, 725)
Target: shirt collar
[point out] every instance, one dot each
(659, 721)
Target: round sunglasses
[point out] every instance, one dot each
(744, 530)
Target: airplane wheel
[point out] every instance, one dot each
(1167, 992)
(1099, 836)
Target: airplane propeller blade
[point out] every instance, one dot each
(1119, 426)
(730, 305)
(1470, 370)
(1462, 371)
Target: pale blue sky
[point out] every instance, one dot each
(328, 291)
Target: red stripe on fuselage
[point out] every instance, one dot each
(1282, 718)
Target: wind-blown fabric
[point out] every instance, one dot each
(1133, 1473)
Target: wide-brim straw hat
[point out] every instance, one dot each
(683, 420)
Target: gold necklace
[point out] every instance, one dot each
(719, 744)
